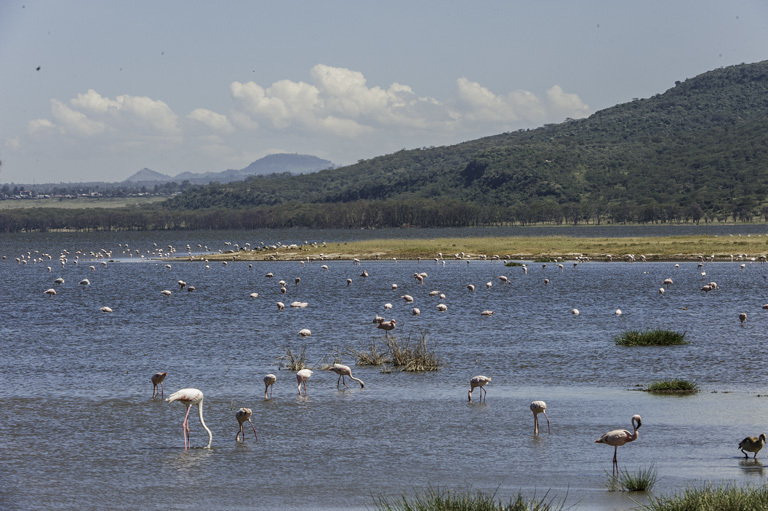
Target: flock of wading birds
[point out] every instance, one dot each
(191, 397)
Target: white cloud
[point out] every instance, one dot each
(214, 121)
(336, 114)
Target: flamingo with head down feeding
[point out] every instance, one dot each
(269, 380)
(157, 379)
(478, 381)
(343, 371)
(191, 397)
(538, 407)
(244, 415)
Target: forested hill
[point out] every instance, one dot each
(696, 151)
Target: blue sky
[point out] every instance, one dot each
(206, 86)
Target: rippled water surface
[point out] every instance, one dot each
(79, 430)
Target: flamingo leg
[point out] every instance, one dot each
(483, 395)
(185, 428)
(254, 432)
(337, 381)
(344, 381)
(162, 391)
(535, 424)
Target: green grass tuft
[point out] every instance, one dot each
(642, 480)
(673, 387)
(651, 338)
(708, 498)
(372, 357)
(444, 500)
(413, 356)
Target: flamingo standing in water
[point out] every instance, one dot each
(619, 437)
(191, 397)
(157, 379)
(538, 407)
(243, 415)
(302, 377)
(478, 381)
(343, 371)
(269, 380)
(386, 326)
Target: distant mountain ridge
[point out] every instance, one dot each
(271, 164)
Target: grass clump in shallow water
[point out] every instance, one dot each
(673, 387)
(444, 500)
(293, 361)
(656, 337)
(708, 498)
(642, 480)
(372, 357)
(413, 356)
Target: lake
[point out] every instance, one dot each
(79, 428)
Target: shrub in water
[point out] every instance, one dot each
(651, 338)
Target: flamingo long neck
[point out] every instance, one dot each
(358, 380)
(200, 413)
(635, 433)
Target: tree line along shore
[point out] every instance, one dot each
(668, 248)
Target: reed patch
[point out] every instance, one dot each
(656, 337)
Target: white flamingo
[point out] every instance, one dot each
(269, 380)
(191, 397)
(478, 381)
(343, 371)
(302, 377)
(538, 407)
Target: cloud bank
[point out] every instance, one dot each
(336, 114)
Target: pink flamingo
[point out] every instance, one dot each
(191, 397)
(343, 371)
(269, 380)
(478, 381)
(157, 379)
(243, 415)
(302, 377)
(386, 326)
(538, 407)
(619, 437)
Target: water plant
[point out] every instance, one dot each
(656, 337)
(293, 361)
(642, 480)
(444, 500)
(710, 498)
(674, 386)
(413, 356)
(372, 357)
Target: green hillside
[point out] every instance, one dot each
(697, 151)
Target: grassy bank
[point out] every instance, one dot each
(668, 248)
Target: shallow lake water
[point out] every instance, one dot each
(79, 430)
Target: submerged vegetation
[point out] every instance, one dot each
(656, 337)
(444, 500)
(674, 386)
(642, 480)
